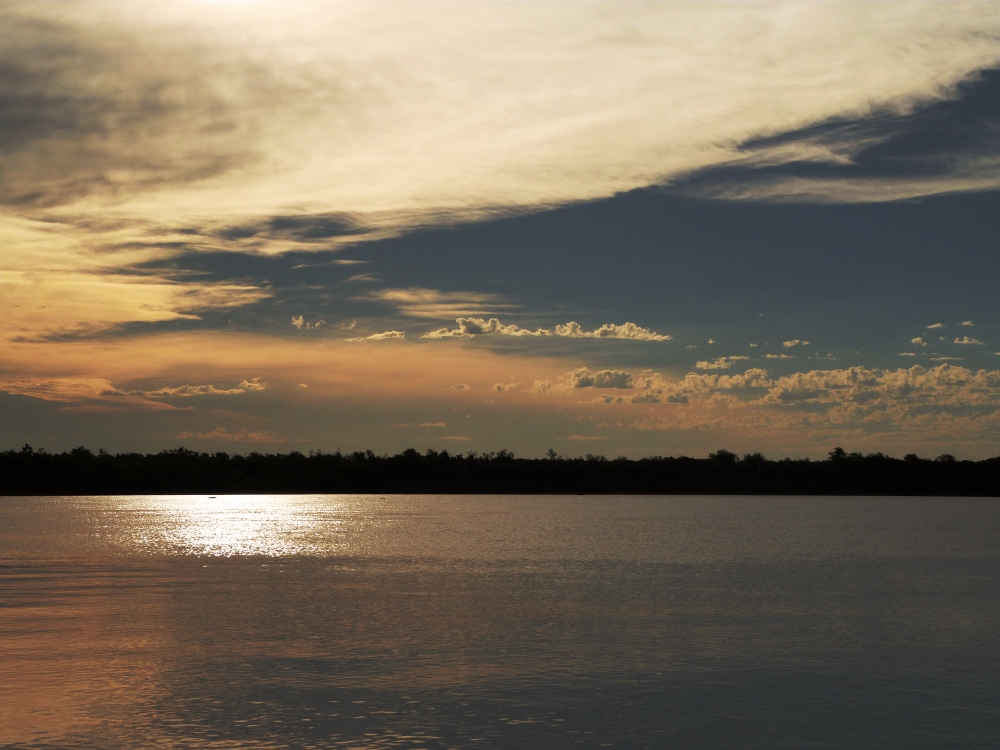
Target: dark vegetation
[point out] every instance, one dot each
(179, 471)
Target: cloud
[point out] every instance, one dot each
(468, 327)
(504, 387)
(379, 336)
(584, 378)
(53, 288)
(366, 277)
(241, 436)
(918, 340)
(542, 386)
(186, 391)
(906, 354)
(895, 403)
(300, 323)
(721, 363)
(221, 104)
(100, 394)
(460, 386)
(795, 342)
(586, 438)
(967, 341)
(967, 323)
(254, 384)
(886, 153)
(779, 356)
(936, 325)
(303, 385)
(611, 331)
(198, 143)
(422, 424)
(417, 302)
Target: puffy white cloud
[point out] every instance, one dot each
(584, 378)
(779, 356)
(300, 323)
(936, 325)
(795, 342)
(965, 340)
(968, 323)
(479, 327)
(919, 341)
(720, 363)
(493, 327)
(254, 384)
(611, 331)
(542, 386)
(944, 385)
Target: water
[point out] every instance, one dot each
(499, 622)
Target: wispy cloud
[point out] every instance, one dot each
(384, 336)
(69, 389)
(240, 436)
(431, 303)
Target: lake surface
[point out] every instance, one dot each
(499, 622)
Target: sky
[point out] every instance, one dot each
(618, 228)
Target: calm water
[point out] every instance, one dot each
(499, 622)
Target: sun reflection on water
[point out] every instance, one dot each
(228, 525)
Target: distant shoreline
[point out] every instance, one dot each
(182, 471)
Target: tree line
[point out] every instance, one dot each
(181, 471)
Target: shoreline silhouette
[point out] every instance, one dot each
(183, 471)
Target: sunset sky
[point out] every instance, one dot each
(620, 228)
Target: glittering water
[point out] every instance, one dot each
(499, 622)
